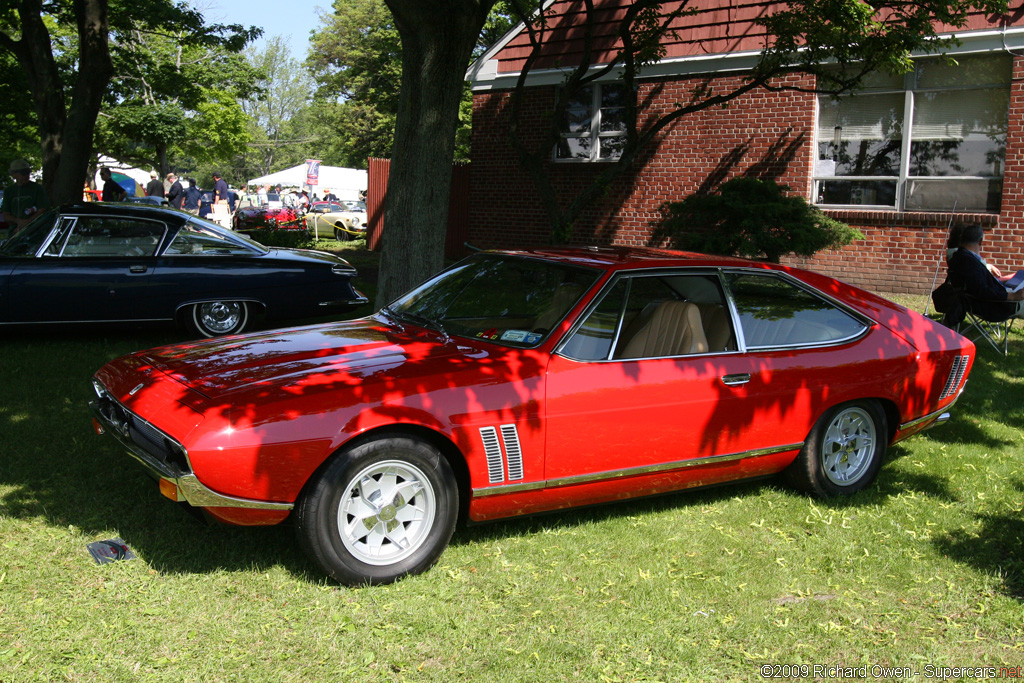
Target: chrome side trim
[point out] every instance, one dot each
(345, 302)
(939, 416)
(86, 322)
(631, 472)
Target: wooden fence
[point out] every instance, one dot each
(458, 207)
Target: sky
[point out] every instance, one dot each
(292, 20)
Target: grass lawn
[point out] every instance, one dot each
(923, 570)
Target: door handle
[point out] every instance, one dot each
(736, 380)
(138, 269)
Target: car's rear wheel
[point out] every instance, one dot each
(216, 318)
(384, 509)
(843, 452)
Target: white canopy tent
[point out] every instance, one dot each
(345, 183)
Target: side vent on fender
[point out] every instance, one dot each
(956, 376)
(495, 468)
(513, 455)
(512, 451)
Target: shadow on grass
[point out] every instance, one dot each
(997, 547)
(55, 469)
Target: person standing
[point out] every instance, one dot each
(24, 198)
(155, 186)
(112, 192)
(220, 190)
(192, 197)
(175, 193)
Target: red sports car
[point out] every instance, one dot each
(252, 218)
(521, 382)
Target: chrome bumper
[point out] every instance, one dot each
(937, 418)
(187, 487)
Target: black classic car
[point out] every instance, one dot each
(102, 262)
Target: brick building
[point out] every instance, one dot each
(900, 159)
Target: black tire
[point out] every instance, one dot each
(843, 452)
(340, 235)
(355, 516)
(216, 318)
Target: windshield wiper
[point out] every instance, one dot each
(393, 318)
(422, 321)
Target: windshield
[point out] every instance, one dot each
(28, 241)
(509, 300)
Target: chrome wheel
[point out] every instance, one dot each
(220, 317)
(379, 510)
(848, 446)
(386, 512)
(843, 451)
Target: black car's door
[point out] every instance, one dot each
(98, 268)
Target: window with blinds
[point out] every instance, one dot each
(933, 140)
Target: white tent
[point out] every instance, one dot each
(346, 183)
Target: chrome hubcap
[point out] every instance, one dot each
(848, 447)
(220, 317)
(386, 512)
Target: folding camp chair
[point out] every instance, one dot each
(958, 309)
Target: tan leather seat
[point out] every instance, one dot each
(675, 329)
(717, 327)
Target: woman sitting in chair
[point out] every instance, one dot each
(968, 272)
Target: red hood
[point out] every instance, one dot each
(295, 357)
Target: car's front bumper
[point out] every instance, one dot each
(163, 457)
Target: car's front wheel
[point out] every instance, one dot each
(380, 511)
(216, 318)
(843, 452)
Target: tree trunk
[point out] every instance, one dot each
(437, 41)
(65, 134)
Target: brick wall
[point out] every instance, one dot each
(766, 134)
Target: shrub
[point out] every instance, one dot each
(271, 237)
(751, 218)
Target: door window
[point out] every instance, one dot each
(655, 316)
(112, 236)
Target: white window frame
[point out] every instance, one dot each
(594, 133)
(909, 90)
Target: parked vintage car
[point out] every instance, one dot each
(280, 217)
(104, 262)
(523, 382)
(344, 221)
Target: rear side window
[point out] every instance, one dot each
(774, 313)
(198, 240)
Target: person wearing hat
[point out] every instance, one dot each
(176, 192)
(155, 186)
(24, 198)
